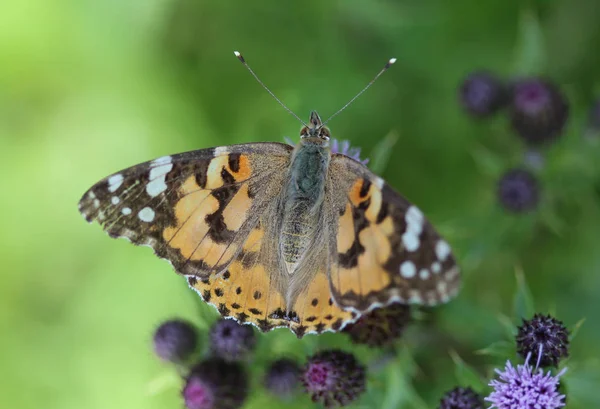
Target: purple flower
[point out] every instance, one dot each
(518, 191)
(344, 148)
(175, 340)
(282, 378)
(461, 398)
(482, 94)
(334, 378)
(215, 384)
(539, 111)
(230, 340)
(547, 333)
(522, 388)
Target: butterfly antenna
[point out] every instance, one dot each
(243, 61)
(384, 69)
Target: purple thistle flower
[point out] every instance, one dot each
(539, 111)
(215, 384)
(522, 388)
(547, 333)
(344, 148)
(230, 340)
(482, 94)
(282, 378)
(175, 340)
(461, 398)
(334, 378)
(518, 191)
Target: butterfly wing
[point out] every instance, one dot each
(382, 248)
(256, 288)
(195, 209)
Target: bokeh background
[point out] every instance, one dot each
(90, 87)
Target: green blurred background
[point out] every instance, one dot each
(90, 87)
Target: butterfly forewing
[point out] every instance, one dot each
(383, 248)
(194, 209)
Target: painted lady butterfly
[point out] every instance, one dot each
(279, 236)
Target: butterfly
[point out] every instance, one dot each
(279, 236)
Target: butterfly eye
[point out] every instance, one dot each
(324, 133)
(304, 132)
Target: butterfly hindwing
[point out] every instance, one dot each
(254, 290)
(383, 248)
(194, 209)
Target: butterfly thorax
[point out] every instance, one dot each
(303, 199)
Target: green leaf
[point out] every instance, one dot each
(530, 54)
(381, 153)
(576, 329)
(489, 162)
(508, 325)
(465, 374)
(523, 304)
(500, 349)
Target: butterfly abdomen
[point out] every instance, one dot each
(303, 199)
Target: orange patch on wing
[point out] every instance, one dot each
(236, 211)
(374, 204)
(369, 274)
(190, 212)
(345, 232)
(253, 241)
(315, 307)
(354, 193)
(247, 294)
(213, 173)
(245, 170)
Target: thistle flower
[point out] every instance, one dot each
(230, 340)
(522, 388)
(175, 340)
(334, 378)
(344, 148)
(282, 378)
(482, 94)
(543, 332)
(215, 384)
(381, 326)
(518, 191)
(461, 398)
(538, 110)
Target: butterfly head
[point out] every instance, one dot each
(315, 129)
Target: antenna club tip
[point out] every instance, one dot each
(391, 61)
(239, 56)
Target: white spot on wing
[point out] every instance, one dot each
(114, 182)
(424, 274)
(379, 183)
(161, 161)
(436, 267)
(96, 203)
(158, 172)
(126, 211)
(414, 227)
(115, 200)
(146, 214)
(410, 241)
(221, 150)
(442, 250)
(408, 269)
